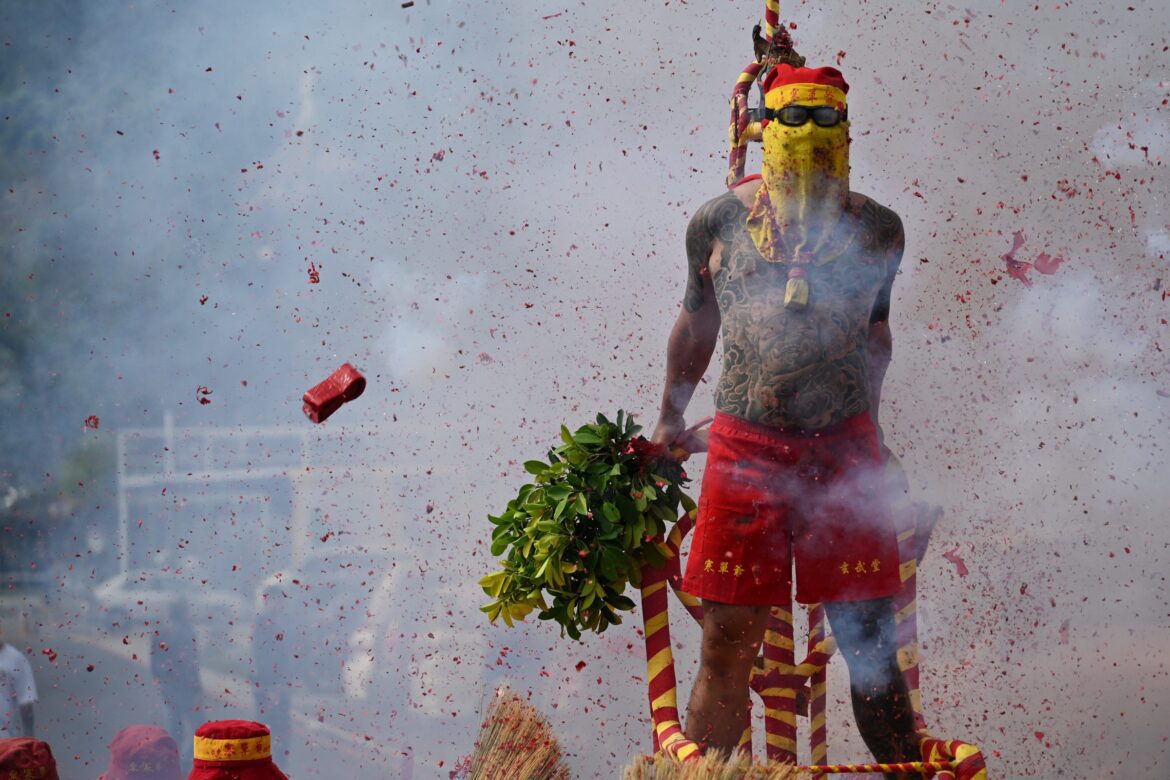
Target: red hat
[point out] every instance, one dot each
(234, 750)
(784, 74)
(143, 753)
(25, 757)
(786, 85)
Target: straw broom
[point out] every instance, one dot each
(515, 742)
(712, 766)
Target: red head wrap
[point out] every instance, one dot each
(143, 753)
(27, 757)
(234, 750)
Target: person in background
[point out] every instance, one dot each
(143, 752)
(18, 692)
(174, 663)
(272, 658)
(25, 757)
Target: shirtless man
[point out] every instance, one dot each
(796, 270)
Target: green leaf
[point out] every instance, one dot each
(535, 466)
(587, 435)
(618, 601)
(558, 491)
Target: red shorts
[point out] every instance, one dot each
(771, 495)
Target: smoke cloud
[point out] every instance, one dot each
(208, 207)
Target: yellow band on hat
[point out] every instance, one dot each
(248, 749)
(805, 95)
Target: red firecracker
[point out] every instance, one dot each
(343, 385)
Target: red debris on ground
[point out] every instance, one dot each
(92, 422)
(201, 393)
(580, 665)
(314, 274)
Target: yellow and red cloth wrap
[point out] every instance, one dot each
(796, 217)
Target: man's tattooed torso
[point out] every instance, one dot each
(792, 368)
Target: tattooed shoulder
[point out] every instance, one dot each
(717, 219)
(882, 226)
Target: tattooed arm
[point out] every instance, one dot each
(692, 340)
(889, 240)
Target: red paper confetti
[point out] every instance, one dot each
(953, 557)
(1046, 263)
(201, 393)
(51, 653)
(314, 275)
(1017, 269)
(92, 422)
(580, 665)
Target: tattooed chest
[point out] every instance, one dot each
(802, 367)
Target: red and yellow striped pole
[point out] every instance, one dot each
(776, 685)
(930, 768)
(771, 18)
(663, 686)
(742, 129)
(818, 690)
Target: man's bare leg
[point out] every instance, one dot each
(718, 709)
(881, 702)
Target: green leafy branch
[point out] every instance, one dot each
(573, 539)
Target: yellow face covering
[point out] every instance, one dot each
(796, 218)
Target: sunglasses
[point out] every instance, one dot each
(795, 116)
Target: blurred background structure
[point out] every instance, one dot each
(207, 207)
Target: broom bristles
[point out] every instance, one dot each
(516, 742)
(712, 766)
